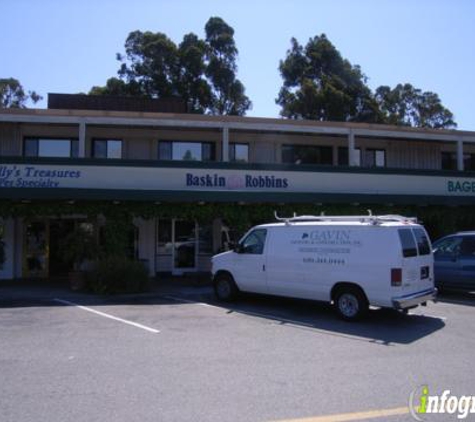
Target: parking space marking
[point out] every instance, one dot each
(355, 416)
(442, 318)
(193, 302)
(103, 314)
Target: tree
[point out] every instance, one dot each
(12, 94)
(408, 106)
(151, 62)
(116, 86)
(202, 72)
(320, 85)
(228, 92)
(193, 86)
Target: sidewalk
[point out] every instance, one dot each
(32, 292)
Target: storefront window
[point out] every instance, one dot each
(449, 161)
(186, 151)
(307, 154)
(469, 162)
(107, 148)
(343, 159)
(164, 238)
(375, 158)
(239, 153)
(36, 249)
(39, 147)
(205, 239)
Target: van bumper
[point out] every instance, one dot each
(414, 299)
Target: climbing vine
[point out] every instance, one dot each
(439, 220)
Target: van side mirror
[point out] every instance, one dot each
(238, 248)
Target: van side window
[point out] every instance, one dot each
(254, 242)
(423, 243)
(408, 243)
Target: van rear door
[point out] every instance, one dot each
(417, 260)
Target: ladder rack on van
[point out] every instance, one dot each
(370, 218)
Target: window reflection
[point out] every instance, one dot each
(186, 151)
(42, 147)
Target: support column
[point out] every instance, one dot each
(351, 149)
(225, 145)
(82, 140)
(146, 243)
(460, 163)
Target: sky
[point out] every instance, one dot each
(58, 46)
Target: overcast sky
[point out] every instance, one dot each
(69, 46)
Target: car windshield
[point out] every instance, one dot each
(448, 246)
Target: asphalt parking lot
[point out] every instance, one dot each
(177, 355)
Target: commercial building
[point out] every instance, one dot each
(188, 178)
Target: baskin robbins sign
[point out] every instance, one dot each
(126, 176)
(42, 176)
(234, 181)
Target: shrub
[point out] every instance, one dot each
(118, 275)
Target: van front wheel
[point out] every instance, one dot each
(351, 304)
(225, 288)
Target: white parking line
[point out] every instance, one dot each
(103, 314)
(193, 302)
(442, 318)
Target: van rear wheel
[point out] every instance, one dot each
(225, 288)
(351, 304)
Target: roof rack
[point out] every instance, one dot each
(370, 218)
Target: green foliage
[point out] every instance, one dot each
(118, 87)
(13, 95)
(202, 72)
(115, 236)
(439, 220)
(408, 106)
(113, 271)
(192, 84)
(319, 84)
(228, 92)
(79, 246)
(113, 274)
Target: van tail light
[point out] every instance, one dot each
(396, 277)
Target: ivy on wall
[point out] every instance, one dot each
(439, 220)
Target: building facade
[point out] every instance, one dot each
(182, 176)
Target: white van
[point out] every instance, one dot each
(352, 262)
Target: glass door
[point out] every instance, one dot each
(36, 249)
(184, 246)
